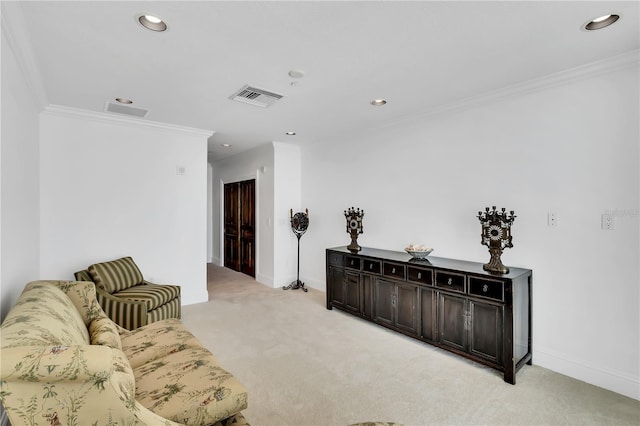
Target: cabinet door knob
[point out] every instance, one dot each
(352, 263)
(393, 270)
(450, 281)
(371, 266)
(485, 288)
(419, 275)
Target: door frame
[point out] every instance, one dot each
(234, 179)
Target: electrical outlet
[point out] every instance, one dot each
(552, 219)
(608, 224)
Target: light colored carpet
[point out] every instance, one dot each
(306, 365)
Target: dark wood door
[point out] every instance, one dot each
(239, 226)
(231, 226)
(247, 228)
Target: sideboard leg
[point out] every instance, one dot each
(510, 377)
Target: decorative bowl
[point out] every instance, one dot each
(419, 254)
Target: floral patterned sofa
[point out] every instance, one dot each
(64, 362)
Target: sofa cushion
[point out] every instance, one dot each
(83, 295)
(103, 331)
(157, 340)
(32, 322)
(189, 387)
(166, 311)
(153, 295)
(116, 275)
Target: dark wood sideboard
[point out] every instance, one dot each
(452, 304)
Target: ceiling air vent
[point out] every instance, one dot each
(125, 109)
(254, 96)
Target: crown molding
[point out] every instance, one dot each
(103, 117)
(582, 72)
(13, 25)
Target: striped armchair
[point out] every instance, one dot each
(127, 298)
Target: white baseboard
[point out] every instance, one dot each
(316, 284)
(201, 297)
(264, 279)
(614, 381)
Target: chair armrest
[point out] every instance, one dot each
(129, 314)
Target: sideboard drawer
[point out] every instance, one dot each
(450, 281)
(393, 270)
(353, 262)
(420, 275)
(336, 259)
(486, 288)
(371, 266)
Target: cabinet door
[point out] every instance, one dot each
(366, 281)
(428, 314)
(383, 305)
(407, 307)
(486, 330)
(352, 291)
(452, 321)
(336, 283)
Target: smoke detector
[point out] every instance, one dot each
(120, 108)
(254, 96)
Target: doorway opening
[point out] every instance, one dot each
(239, 226)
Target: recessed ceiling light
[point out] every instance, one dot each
(601, 22)
(378, 102)
(152, 23)
(225, 145)
(290, 133)
(124, 101)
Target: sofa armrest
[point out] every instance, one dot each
(129, 314)
(78, 384)
(54, 364)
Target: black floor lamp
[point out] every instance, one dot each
(299, 225)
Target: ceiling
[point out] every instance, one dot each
(418, 55)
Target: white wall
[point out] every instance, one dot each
(19, 177)
(287, 196)
(253, 164)
(110, 188)
(570, 148)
